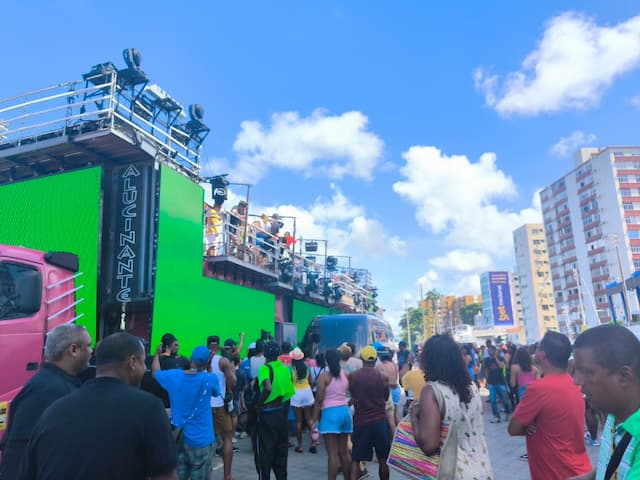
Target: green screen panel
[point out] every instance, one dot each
(304, 312)
(186, 303)
(59, 212)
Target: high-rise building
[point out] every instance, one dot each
(588, 214)
(534, 279)
(501, 305)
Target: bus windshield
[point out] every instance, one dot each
(331, 331)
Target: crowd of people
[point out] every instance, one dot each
(352, 400)
(225, 233)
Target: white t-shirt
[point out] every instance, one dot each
(256, 363)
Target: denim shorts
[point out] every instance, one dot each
(336, 420)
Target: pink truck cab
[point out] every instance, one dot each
(37, 293)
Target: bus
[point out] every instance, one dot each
(331, 331)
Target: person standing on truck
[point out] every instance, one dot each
(66, 353)
(113, 428)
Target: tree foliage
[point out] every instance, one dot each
(467, 312)
(416, 324)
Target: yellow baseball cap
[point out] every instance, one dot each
(368, 354)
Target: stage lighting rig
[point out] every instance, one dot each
(132, 75)
(219, 185)
(332, 263)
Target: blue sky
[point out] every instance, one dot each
(413, 136)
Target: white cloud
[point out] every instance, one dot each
(635, 101)
(371, 237)
(333, 145)
(456, 199)
(568, 145)
(575, 62)
(454, 196)
(462, 261)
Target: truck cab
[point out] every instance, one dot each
(37, 293)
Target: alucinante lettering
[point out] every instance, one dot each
(127, 239)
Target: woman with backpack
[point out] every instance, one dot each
(302, 401)
(335, 423)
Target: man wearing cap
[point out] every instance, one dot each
(190, 392)
(369, 391)
(222, 424)
(272, 435)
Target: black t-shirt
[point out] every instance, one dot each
(149, 384)
(105, 430)
(44, 388)
(495, 376)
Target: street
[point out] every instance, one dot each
(504, 451)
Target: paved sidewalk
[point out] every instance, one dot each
(504, 452)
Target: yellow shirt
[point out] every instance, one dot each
(301, 383)
(413, 381)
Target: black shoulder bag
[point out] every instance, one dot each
(615, 459)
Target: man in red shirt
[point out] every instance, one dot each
(551, 415)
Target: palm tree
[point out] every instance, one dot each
(433, 298)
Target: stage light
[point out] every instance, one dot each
(132, 58)
(286, 270)
(337, 292)
(132, 75)
(196, 112)
(332, 263)
(219, 186)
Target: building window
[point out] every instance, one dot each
(627, 206)
(623, 179)
(634, 234)
(625, 192)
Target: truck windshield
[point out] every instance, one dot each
(10, 274)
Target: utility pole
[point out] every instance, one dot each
(424, 320)
(625, 297)
(406, 304)
(582, 312)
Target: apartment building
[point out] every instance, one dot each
(587, 214)
(534, 280)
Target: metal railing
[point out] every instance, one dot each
(98, 103)
(224, 237)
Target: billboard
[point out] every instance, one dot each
(59, 212)
(129, 238)
(186, 303)
(500, 299)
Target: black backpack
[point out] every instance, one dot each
(251, 397)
